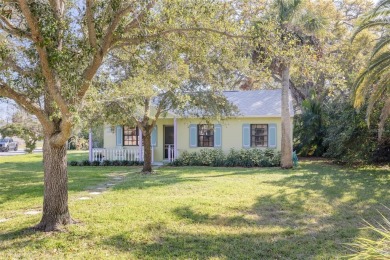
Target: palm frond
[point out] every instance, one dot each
(369, 248)
(381, 4)
(287, 8)
(379, 90)
(380, 21)
(379, 13)
(382, 43)
(378, 67)
(377, 74)
(379, 64)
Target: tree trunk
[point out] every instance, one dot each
(55, 201)
(286, 161)
(147, 153)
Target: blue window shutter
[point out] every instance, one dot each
(193, 136)
(119, 135)
(154, 137)
(218, 136)
(272, 136)
(246, 135)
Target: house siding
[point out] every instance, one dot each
(231, 133)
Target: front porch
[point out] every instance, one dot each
(128, 154)
(122, 143)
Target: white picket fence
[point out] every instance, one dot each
(120, 154)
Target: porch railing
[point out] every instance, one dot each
(120, 154)
(170, 151)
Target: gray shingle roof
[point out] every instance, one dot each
(264, 103)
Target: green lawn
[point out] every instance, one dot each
(194, 212)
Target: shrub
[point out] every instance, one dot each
(177, 162)
(125, 163)
(85, 163)
(210, 157)
(95, 163)
(74, 163)
(106, 163)
(116, 163)
(382, 152)
(216, 157)
(232, 159)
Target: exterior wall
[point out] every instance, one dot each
(231, 134)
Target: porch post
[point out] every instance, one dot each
(174, 138)
(90, 144)
(141, 155)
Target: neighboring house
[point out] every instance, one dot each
(258, 125)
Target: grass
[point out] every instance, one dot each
(194, 212)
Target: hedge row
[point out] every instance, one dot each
(216, 158)
(106, 163)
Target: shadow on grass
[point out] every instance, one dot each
(234, 245)
(286, 224)
(189, 215)
(278, 225)
(145, 181)
(24, 236)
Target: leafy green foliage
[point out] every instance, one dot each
(85, 163)
(382, 151)
(106, 163)
(73, 163)
(374, 80)
(310, 129)
(235, 158)
(29, 131)
(348, 138)
(374, 247)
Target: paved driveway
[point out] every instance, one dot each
(19, 152)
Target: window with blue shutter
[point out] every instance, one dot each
(193, 135)
(272, 136)
(154, 137)
(246, 135)
(218, 136)
(119, 135)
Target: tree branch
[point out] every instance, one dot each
(106, 44)
(26, 103)
(58, 7)
(90, 24)
(9, 28)
(139, 18)
(52, 85)
(137, 40)
(10, 63)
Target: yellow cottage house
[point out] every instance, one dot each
(258, 125)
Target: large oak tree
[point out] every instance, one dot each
(51, 50)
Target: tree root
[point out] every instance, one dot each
(54, 226)
(148, 172)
